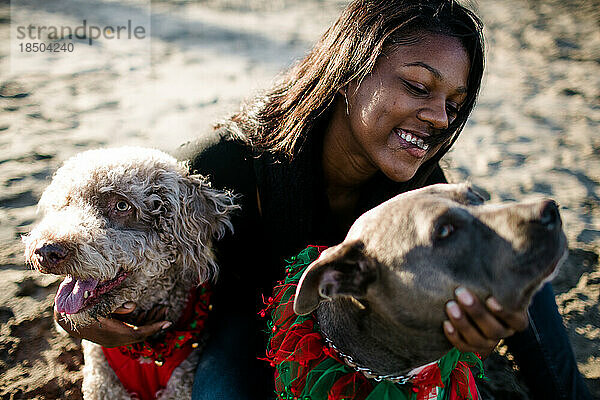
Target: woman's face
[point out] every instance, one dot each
(414, 91)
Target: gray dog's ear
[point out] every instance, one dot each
(475, 195)
(463, 193)
(192, 216)
(343, 270)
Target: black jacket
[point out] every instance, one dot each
(295, 210)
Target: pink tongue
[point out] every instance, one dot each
(69, 298)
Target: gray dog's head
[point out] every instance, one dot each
(403, 260)
(119, 220)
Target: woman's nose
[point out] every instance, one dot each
(435, 115)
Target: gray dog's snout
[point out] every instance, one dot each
(549, 216)
(51, 255)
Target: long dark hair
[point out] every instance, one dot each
(280, 120)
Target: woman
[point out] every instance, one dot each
(366, 115)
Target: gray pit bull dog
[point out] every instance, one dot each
(379, 296)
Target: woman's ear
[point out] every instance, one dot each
(343, 270)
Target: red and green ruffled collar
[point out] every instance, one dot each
(189, 330)
(307, 368)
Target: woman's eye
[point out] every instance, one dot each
(452, 111)
(444, 231)
(416, 88)
(122, 206)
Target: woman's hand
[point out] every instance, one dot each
(473, 327)
(113, 332)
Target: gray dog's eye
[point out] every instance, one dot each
(122, 206)
(444, 231)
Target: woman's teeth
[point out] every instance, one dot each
(413, 139)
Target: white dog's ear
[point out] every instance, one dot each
(209, 206)
(200, 214)
(343, 270)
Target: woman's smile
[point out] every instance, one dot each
(412, 142)
(413, 93)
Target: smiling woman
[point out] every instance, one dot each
(411, 97)
(366, 115)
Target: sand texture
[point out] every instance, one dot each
(534, 133)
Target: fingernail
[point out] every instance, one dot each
(166, 325)
(448, 327)
(135, 328)
(129, 305)
(493, 304)
(464, 296)
(453, 309)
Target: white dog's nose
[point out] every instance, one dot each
(51, 255)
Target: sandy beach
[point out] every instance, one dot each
(534, 133)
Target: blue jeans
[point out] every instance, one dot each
(229, 369)
(544, 353)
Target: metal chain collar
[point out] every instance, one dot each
(367, 372)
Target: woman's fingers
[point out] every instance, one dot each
(158, 313)
(463, 334)
(145, 331)
(484, 321)
(457, 341)
(517, 321)
(126, 308)
(113, 332)
(473, 326)
(110, 332)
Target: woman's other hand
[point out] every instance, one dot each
(473, 327)
(119, 330)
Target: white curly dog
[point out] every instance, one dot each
(130, 224)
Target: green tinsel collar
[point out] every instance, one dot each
(307, 368)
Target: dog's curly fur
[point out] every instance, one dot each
(163, 242)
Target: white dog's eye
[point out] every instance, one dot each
(444, 231)
(122, 206)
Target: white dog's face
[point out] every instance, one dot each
(120, 221)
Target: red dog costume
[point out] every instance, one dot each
(145, 368)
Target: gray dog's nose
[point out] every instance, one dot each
(51, 255)
(550, 217)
